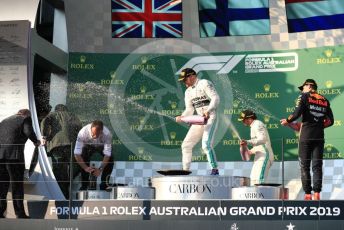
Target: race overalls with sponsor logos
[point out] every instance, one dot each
(316, 114)
(201, 97)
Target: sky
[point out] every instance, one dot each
(12, 10)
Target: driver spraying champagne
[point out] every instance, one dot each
(261, 147)
(200, 96)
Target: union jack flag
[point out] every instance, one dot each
(146, 18)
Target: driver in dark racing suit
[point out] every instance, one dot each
(316, 115)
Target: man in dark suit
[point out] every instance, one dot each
(14, 132)
(61, 128)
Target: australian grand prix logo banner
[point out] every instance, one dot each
(138, 97)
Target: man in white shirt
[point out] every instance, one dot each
(94, 138)
(261, 147)
(201, 96)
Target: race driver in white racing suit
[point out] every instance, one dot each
(201, 96)
(261, 147)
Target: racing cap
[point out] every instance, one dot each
(247, 114)
(185, 73)
(310, 82)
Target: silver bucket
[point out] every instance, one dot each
(93, 195)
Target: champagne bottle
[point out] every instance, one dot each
(245, 153)
(194, 120)
(92, 180)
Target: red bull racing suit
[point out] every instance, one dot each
(316, 115)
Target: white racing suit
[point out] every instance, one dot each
(264, 156)
(201, 97)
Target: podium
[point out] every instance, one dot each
(132, 193)
(195, 187)
(186, 187)
(260, 193)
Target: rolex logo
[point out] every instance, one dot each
(328, 147)
(144, 60)
(142, 120)
(266, 118)
(173, 135)
(113, 74)
(111, 106)
(140, 150)
(236, 103)
(234, 135)
(143, 89)
(329, 84)
(328, 53)
(267, 87)
(328, 57)
(173, 105)
(82, 59)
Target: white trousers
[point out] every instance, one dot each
(194, 135)
(260, 168)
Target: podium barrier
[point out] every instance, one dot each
(195, 187)
(93, 195)
(191, 188)
(132, 193)
(259, 193)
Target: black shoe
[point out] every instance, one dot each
(23, 216)
(214, 172)
(83, 188)
(2, 216)
(103, 186)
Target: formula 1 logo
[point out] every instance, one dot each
(224, 64)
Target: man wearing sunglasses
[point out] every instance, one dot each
(316, 114)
